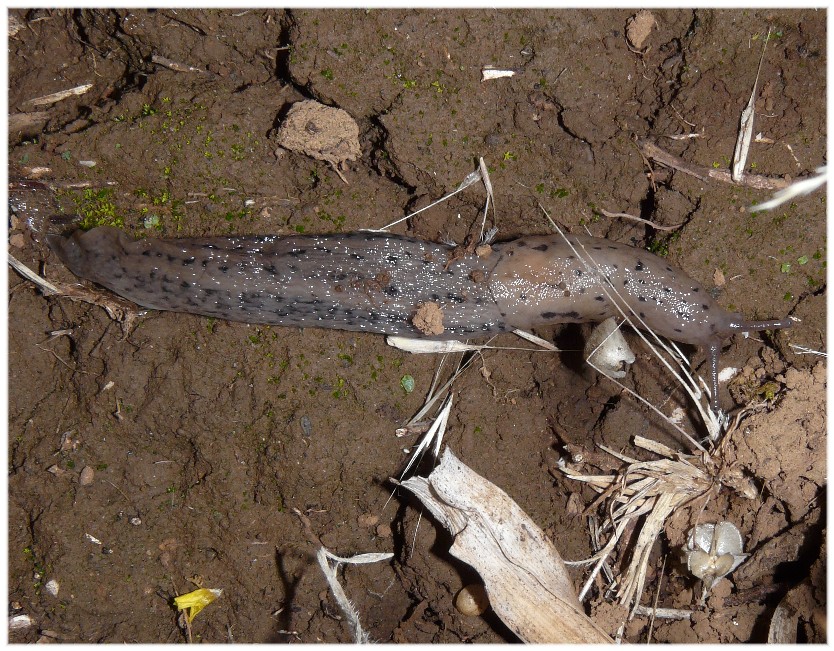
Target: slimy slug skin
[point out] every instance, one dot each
(376, 282)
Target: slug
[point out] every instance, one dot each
(378, 282)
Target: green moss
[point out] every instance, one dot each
(97, 208)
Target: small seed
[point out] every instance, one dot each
(472, 600)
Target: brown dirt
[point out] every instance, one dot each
(204, 435)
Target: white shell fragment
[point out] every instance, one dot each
(608, 351)
(712, 551)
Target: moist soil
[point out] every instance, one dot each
(175, 451)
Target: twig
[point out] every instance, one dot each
(652, 151)
(625, 215)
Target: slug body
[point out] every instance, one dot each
(376, 282)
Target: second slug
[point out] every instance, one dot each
(378, 282)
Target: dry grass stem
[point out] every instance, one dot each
(52, 98)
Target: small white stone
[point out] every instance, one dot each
(727, 374)
(19, 622)
(494, 73)
(52, 587)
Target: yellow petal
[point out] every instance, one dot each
(195, 601)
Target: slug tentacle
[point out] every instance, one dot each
(756, 326)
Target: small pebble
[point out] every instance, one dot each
(52, 587)
(55, 470)
(86, 476)
(19, 622)
(383, 530)
(306, 426)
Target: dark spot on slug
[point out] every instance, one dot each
(642, 299)
(392, 259)
(597, 248)
(189, 261)
(571, 257)
(171, 258)
(392, 290)
(356, 256)
(435, 297)
(638, 266)
(705, 306)
(578, 272)
(521, 243)
(677, 330)
(616, 266)
(599, 298)
(503, 314)
(572, 314)
(611, 246)
(224, 268)
(297, 253)
(642, 315)
(546, 315)
(695, 289)
(270, 268)
(566, 293)
(625, 282)
(321, 248)
(455, 298)
(669, 268)
(541, 247)
(204, 263)
(522, 297)
(338, 289)
(185, 284)
(668, 290)
(146, 252)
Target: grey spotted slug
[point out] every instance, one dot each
(377, 282)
